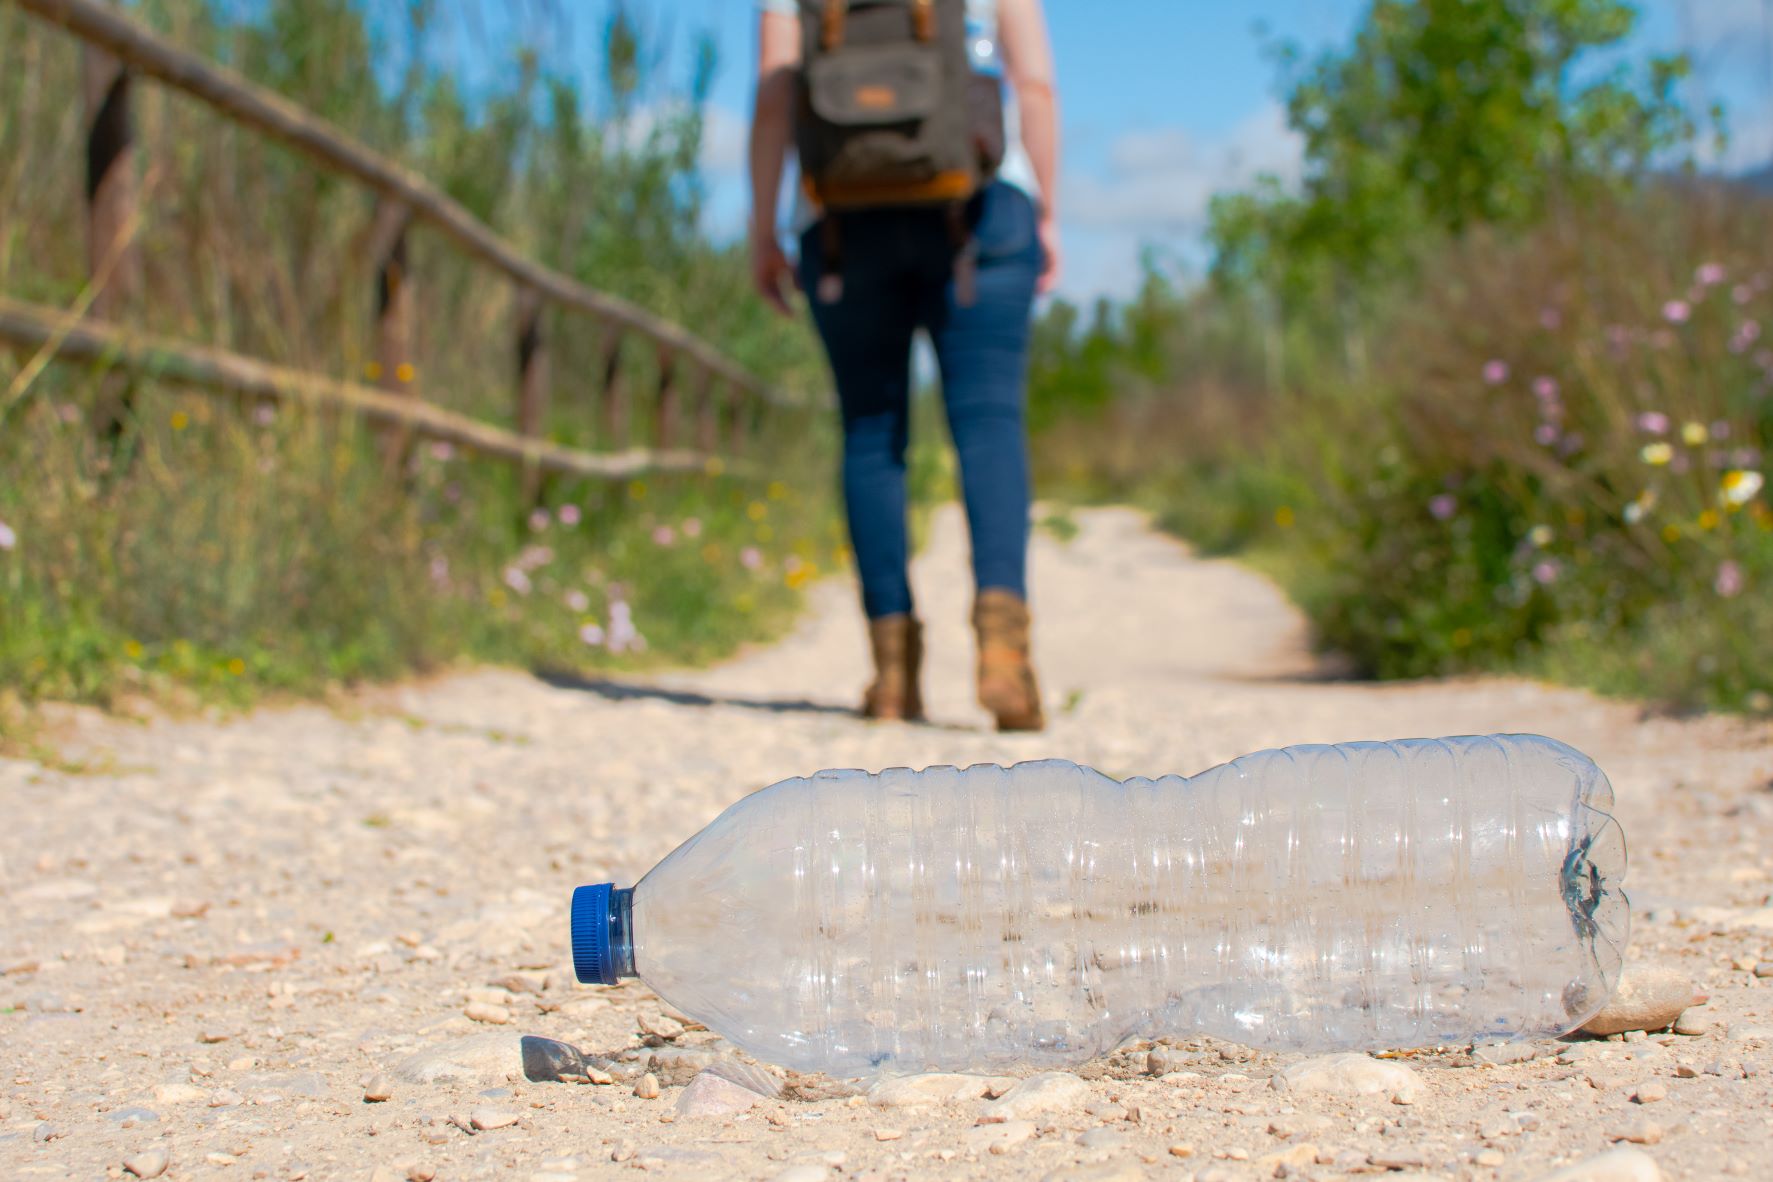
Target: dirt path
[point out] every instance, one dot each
(211, 949)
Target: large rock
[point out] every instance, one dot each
(1649, 997)
(492, 1058)
(1620, 1165)
(927, 1091)
(1350, 1075)
(1046, 1092)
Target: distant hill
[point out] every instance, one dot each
(1760, 180)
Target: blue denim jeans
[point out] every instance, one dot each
(898, 277)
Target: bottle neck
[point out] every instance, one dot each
(621, 931)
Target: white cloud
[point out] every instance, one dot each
(725, 135)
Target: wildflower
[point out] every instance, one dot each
(1671, 533)
(404, 373)
(1545, 435)
(1545, 389)
(1677, 311)
(1656, 454)
(801, 576)
(533, 558)
(264, 414)
(8, 537)
(637, 490)
(1540, 536)
(1653, 422)
(751, 558)
(1709, 520)
(714, 467)
(1742, 293)
(237, 667)
(540, 520)
(1740, 486)
(1495, 372)
(133, 649)
(1730, 582)
(1545, 572)
(710, 554)
(623, 635)
(1642, 507)
(1710, 274)
(1285, 517)
(1694, 434)
(692, 527)
(568, 515)
(180, 420)
(516, 579)
(757, 510)
(778, 491)
(664, 535)
(578, 602)
(372, 370)
(591, 634)
(443, 451)
(1443, 507)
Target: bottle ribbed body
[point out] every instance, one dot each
(1330, 897)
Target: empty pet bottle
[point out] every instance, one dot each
(1361, 896)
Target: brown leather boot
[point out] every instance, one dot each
(1007, 686)
(895, 695)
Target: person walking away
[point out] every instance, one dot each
(929, 201)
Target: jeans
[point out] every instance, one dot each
(897, 275)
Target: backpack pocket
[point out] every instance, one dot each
(875, 87)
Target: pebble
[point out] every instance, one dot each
(421, 1173)
(711, 1095)
(1351, 1075)
(1764, 969)
(1500, 1054)
(1651, 1093)
(659, 1026)
(487, 1119)
(648, 1087)
(378, 1089)
(1619, 1165)
(997, 1138)
(1293, 1157)
(927, 1091)
(1099, 1139)
(226, 1098)
(46, 1132)
(1649, 997)
(150, 1163)
(1638, 1132)
(492, 1015)
(1046, 1092)
(676, 1066)
(1182, 1149)
(177, 1093)
(888, 1134)
(1693, 1023)
(1489, 1157)
(805, 1172)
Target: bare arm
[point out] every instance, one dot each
(772, 127)
(1028, 61)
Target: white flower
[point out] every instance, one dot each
(1741, 486)
(8, 538)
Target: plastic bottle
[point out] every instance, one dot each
(1363, 896)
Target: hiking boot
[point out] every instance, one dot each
(898, 659)
(1007, 686)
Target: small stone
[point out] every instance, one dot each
(804, 1172)
(1100, 1139)
(492, 1015)
(659, 1026)
(1500, 1054)
(1638, 1132)
(220, 1159)
(1182, 1149)
(927, 1091)
(1650, 1093)
(1686, 1071)
(711, 1095)
(888, 1134)
(1351, 1075)
(648, 1087)
(378, 1089)
(421, 1173)
(150, 1163)
(1398, 1159)
(488, 1119)
(177, 1093)
(1764, 969)
(1649, 997)
(1693, 1023)
(226, 1098)
(997, 1138)
(214, 1036)
(190, 908)
(46, 1132)
(1619, 1165)
(1046, 1092)
(1489, 1157)
(1293, 1157)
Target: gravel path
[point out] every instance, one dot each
(216, 941)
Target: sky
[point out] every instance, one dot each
(1165, 102)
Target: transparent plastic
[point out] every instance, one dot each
(1361, 896)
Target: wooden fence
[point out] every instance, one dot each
(695, 381)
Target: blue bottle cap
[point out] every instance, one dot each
(594, 961)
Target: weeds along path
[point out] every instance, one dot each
(209, 947)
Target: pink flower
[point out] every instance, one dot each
(1677, 311)
(1443, 507)
(578, 602)
(1495, 372)
(442, 452)
(1720, 429)
(750, 558)
(1742, 293)
(264, 414)
(8, 537)
(1545, 572)
(1730, 581)
(623, 636)
(1653, 422)
(664, 535)
(591, 634)
(1545, 389)
(1710, 274)
(1545, 435)
(517, 580)
(540, 520)
(692, 527)
(569, 515)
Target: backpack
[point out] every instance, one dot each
(891, 110)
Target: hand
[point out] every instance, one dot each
(771, 272)
(1053, 267)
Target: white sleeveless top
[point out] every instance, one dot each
(1017, 169)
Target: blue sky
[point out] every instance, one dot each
(1166, 101)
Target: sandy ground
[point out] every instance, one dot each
(212, 944)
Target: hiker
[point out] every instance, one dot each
(928, 200)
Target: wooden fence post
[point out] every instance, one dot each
(113, 265)
(532, 382)
(614, 394)
(665, 412)
(393, 368)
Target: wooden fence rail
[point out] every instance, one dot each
(217, 371)
(118, 47)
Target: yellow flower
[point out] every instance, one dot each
(1709, 520)
(404, 372)
(1694, 434)
(1284, 517)
(373, 371)
(637, 489)
(778, 491)
(1540, 535)
(1657, 454)
(496, 597)
(237, 667)
(1671, 533)
(180, 420)
(801, 575)
(757, 511)
(133, 650)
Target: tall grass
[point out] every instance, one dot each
(229, 549)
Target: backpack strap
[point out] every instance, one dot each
(831, 25)
(923, 17)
